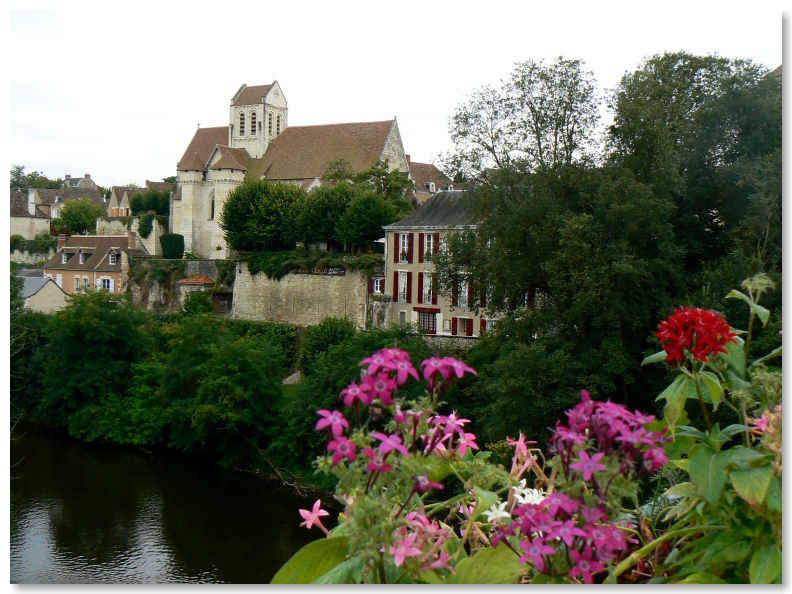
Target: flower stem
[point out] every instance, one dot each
(701, 403)
(406, 501)
(645, 550)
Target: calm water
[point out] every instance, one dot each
(86, 513)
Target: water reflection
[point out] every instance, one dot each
(84, 513)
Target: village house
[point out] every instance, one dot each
(410, 245)
(98, 262)
(428, 180)
(120, 197)
(25, 223)
(258, 143)
(42, 294)
(50, 202)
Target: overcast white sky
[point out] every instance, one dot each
(117, 89)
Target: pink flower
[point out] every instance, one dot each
(422, 484)
(556, 501)
(593, 514)
(390, 442)
(466, 440)
(535, 551)
(451, 422)
(433, 366)
(440, 562)
(335, 420)
(396, 354)
(376, 464)
(380, 387)
(763, 422)
(520, 445)
(585, 566)
(458, 367)
(403, 369)
(343, 448)
(588, 465)
(313, 517)
(404, 548)
(353, 393)
(379, 360)
(566, 531)
(567, 435)
(654, 459)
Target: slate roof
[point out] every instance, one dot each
(19, 204)
(426, 172)
(34, 284)
(251, 95)
(304, 152)
(201, 147)
(231, 158)
(160, 186)
(99, 246)
(444, 209)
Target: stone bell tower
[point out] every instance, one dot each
(256, 117)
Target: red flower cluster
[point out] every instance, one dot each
(700, 332)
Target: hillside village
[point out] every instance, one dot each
(258, 143)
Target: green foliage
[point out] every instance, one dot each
(171, 179)
(150, 201)
(364, 218)
(78, 217)
(312, 561)
(196, 302)
(146, 225)
(276, 265)
(172, 246)
(29, 335)
(319, 338)
(17, 241)
(20, 181)
(42, 244)
(319, 213)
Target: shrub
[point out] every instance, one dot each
(172, 246)
(17, 241)
(198, 302)
(146, 225)
(321, 337)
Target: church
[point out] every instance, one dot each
(258, 143)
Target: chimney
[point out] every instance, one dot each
(132, 243)
(87, 176)
(408, 159)
(61, 242)
(67, 176)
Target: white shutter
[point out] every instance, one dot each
(111, 285)
(59, 280)
(98, 283)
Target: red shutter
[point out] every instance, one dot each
(483, 297)
(482, 327)
(419, 296)
(453, 326)
(435, 243)
(395, 248)
(434, 290)
(420, 247)
(395, 286)
(410, 248)
(470, 297)
(409, 287)
(370, 286)
(469, 324)
(455, 295)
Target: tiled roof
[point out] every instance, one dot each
(444, 209)
(251, 95)
(426, 172)
(201, 279)
(160, 186)
(33, 284)
(303, 152)
(63, 194)
(201, 147)
(19, 205)
(99, 247)
(231, 158)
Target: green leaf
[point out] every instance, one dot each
(752, 484)
(708, 471)
(438, 469)
(702, 577)
(312, 561)
(765, 565)
(774, 495)
(488, 566)
(743, 457)
(348, 572)
(486, 499)
(656, 358)
(430, 577)
(762, 312)
(735, 357)
(774, 353)
(686, 489)
(713, 386)
(675, 396)
(683, 463)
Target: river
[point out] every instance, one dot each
(88, 513)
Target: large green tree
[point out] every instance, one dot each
(78, 217)
(21, 181)
(320, 212)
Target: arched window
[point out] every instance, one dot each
(277, 128)
(241, 124)
(269, 125)
(253, 123)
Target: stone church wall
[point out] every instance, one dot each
(302, 299)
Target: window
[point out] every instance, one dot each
(112, 259)
(430, 186)
(446, 325)
(269, 124)
(106, 284)
(379, 285)
(404, 250)
(253, 123)
(402, 317)
(76, 283)
(241, 124)
(463, 294)
(85, 283)
(428, 246)
(82, 258)
(427, 288)
(427, 322)
(211, 213)
(402, 287)
(277, 127)
(65, 258)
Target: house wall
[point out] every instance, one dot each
(444, 318)
(302, 299)
(111, 226)
(48, 300)
(68, 279)
(29, 227)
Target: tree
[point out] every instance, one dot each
(150, 200)
(543, 117)
(319, 214)
(171, 179)
(363, 220)
(260, 215)
(78, 217)
(21, 181)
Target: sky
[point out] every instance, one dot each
(117, 89)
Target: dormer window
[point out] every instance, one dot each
(112, 258)
(64, 258)
(241, 124)
(82, 258)
(253, 123)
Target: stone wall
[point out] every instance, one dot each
(29, 227)
(30, 258)
(301, 299)
(115, 226)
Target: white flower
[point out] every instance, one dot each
(497, 511)
(523, 495)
